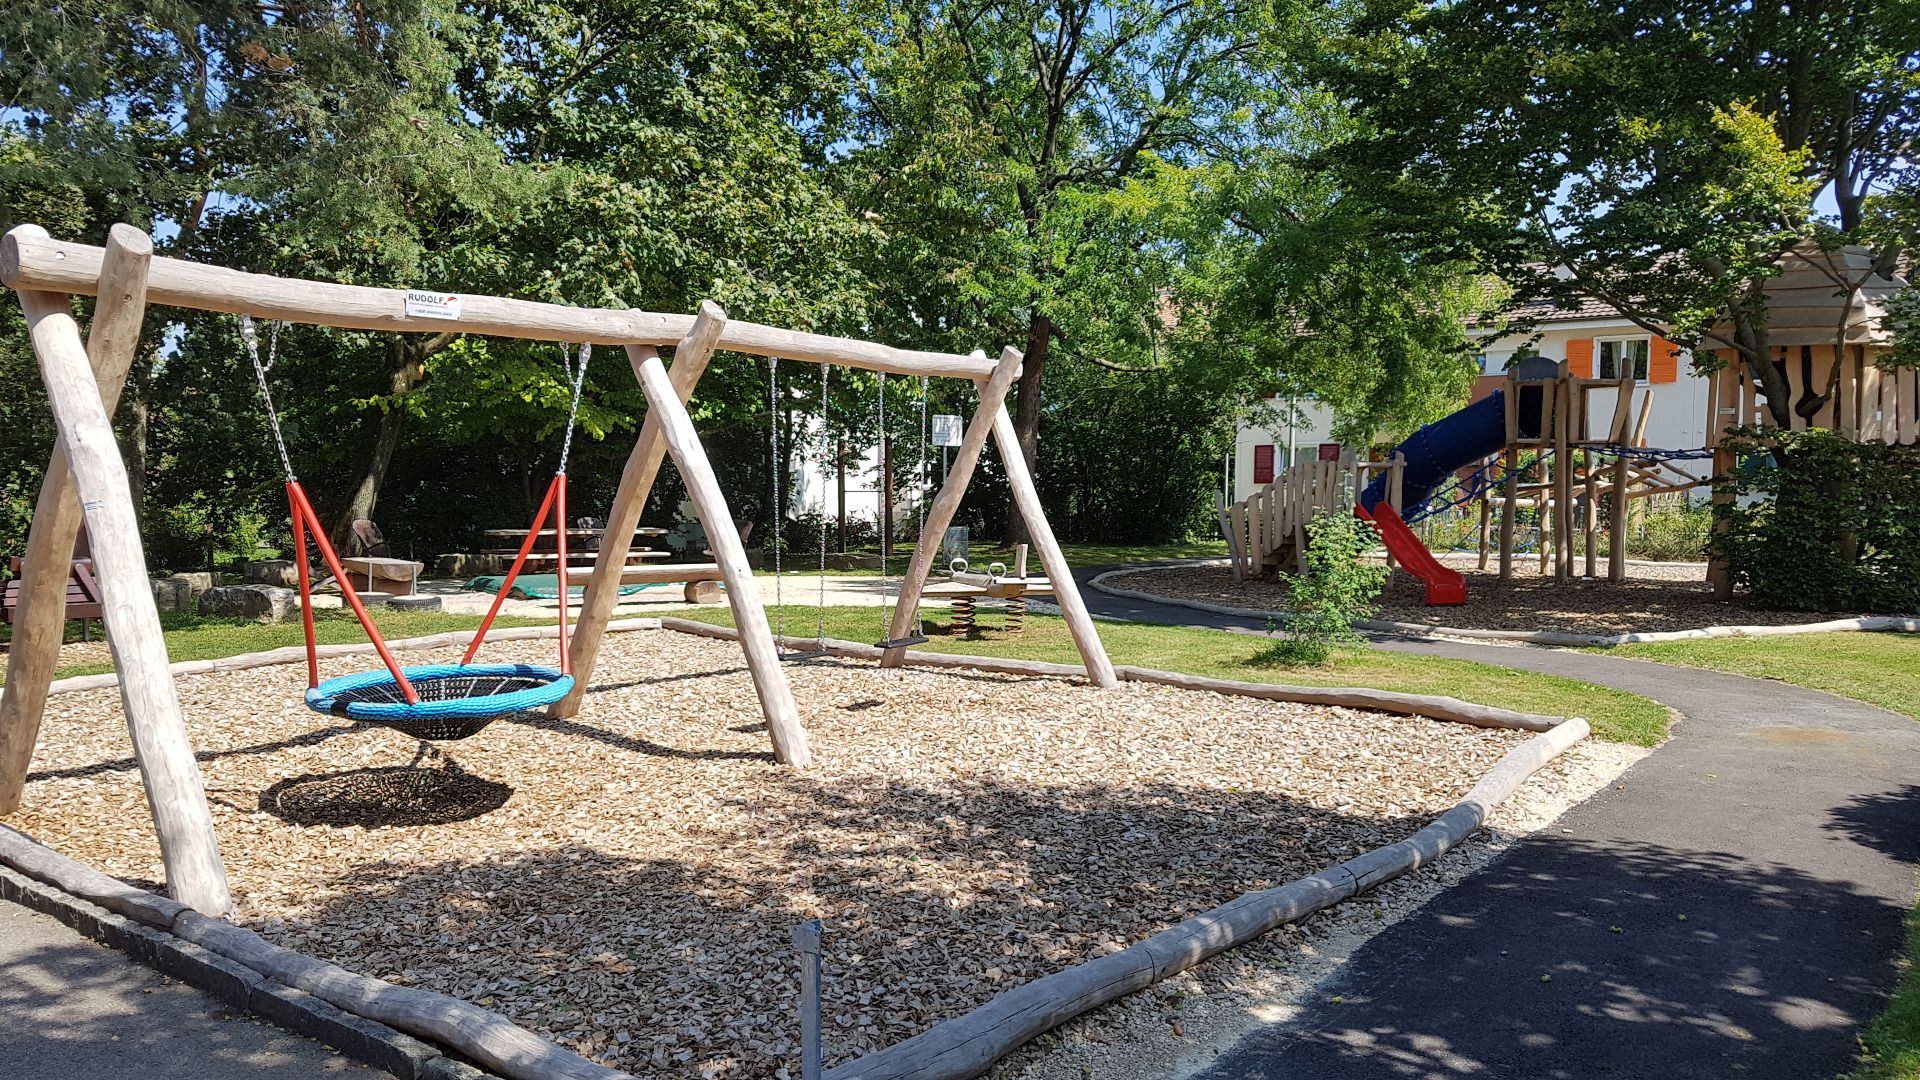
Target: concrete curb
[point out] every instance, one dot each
(1870, 624)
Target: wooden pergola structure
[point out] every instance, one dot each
(87, 479)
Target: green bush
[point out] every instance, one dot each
(1341, 587)
(1675, 531)
(1819, 523)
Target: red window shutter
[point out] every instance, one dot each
(1263, 464)
(1580, 357)
(1663, 364)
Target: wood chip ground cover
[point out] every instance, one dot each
(626, 881)
(1653, 598)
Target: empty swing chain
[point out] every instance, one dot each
(826, 449)
(779, 513)
(920, 501)
(251, 338)
(886, 615)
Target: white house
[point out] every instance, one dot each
(1596, 341)
(1599, 342)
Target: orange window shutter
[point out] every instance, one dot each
(1580, 357)
(1664, 362)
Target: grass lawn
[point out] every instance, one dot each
(1615, 714)
(802, 562)
(198, 637)
(1880, 669)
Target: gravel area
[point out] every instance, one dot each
(1653, 598)
(626, 882)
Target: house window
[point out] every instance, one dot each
(1263, 464)
(1622, 358)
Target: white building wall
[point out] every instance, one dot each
(1678, 418)
(1295, 433)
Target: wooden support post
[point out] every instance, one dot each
(1563, 480)
(906, 607)
(1227, 529)
(630, 501)
(886, 496)
(839, 490)
(188, 848)
(1718, 574)
(1486, 522)
(1617, 522)
(1066, 592)
(1512, 479)
(756, 637)
(1590, 517)
(40, 617)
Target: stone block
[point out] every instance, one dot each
(414, 603)
(261, 603)
(172, 594)
(280, 572)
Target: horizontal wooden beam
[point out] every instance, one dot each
(30, 261)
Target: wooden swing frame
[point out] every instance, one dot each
(87, 478)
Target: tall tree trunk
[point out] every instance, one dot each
(1026, 414)
(408, 365)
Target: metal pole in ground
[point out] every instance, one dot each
(806, 939)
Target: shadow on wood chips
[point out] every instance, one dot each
(394, 795)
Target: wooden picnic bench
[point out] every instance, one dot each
(83, 595)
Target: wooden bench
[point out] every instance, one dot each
(701, 578)
(83, 595)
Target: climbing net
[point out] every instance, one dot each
(1462, 490)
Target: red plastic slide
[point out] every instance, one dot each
(1444, 586)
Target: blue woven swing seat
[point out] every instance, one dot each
(456, 700)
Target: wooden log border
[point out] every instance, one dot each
(1899, 624)
(476, 1033)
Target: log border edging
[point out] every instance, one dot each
(300, 993)
(1869, 624)
(239, 987)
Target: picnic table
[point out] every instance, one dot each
(582, 545)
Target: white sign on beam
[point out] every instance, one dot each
(946, 430)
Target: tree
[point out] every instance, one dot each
(1661, 155)
(990, 129)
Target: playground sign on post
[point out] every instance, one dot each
(946, 430)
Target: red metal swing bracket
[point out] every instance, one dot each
(305, 521)
(556, 501)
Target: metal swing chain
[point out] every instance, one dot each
(826, 449)
(920, 502)
(573, 410)
(252, 341)
(886, 615)
(779, 512)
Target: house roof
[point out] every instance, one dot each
(1551, 311)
